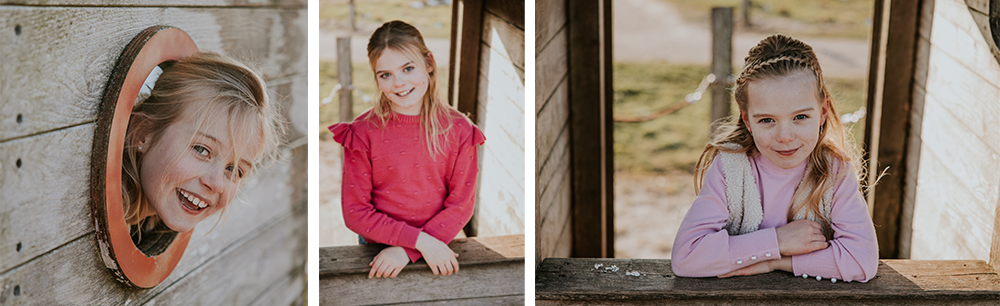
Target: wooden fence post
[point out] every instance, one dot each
(746, 13)
(344, 78)
(722, 62)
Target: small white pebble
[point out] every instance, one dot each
(598, 266)
(804, 275)
(819, 278)
(632, 273)
(833, 280)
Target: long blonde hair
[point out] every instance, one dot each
(777, 56)
(215, 87)
(405, 38)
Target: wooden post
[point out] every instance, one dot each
(890, 90)
(591, 128)
(354, 24)
(463, 73)
(746, 13)
(722, 62)
(344, 78)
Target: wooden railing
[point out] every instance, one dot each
(491, 272)
(560, 281)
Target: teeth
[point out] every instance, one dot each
(194, 200)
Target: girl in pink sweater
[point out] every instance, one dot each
(410, 162)
(777, 186)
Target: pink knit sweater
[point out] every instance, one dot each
(392, 189)
(703, 248)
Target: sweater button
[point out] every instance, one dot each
(404, 180)
(739, 262)
(352, 185)
(415, 193)
(461, 172)
(416, 165)
(364, 174)
(753, 257)
(353, 160)
(428, 177)
(416, 138)
(468, 183)
(402, 153)
(390, 168)
(386, 141)
(374, 157)
(767, 255)
(442, 224)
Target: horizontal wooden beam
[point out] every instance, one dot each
(344, 260)
(902, 282)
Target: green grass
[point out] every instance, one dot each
(674, 142)
(431, 21)
(831, 18)
(364, 83)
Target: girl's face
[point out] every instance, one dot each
(784, 115)
(404, 81)
(190, 172)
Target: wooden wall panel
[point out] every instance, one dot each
(501, 117)
(956, 192)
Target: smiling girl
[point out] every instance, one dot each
(205, 125)
(410, 163)
(777, 186)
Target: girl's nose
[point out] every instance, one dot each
(398, 81)
(213, 180)
(785, 134)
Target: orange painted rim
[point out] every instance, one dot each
(129, 265)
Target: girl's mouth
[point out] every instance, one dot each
(787, 152)
(191, 202)
(405, 93)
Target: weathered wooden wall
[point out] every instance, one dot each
(500, 115)
(57, 56)
(552, 153)
(954, 148)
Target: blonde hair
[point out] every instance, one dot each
(215, 87)
(773, 57)
(405, 38)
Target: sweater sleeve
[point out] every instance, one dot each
(458, 206)
(704, 248)
(359, 212)
(853, 252)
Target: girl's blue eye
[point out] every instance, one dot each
(233, 169)
(800, 117)
(383, 76)
(766, 120)
(408, 69)
(201, 150)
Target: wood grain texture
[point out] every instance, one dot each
(550, 19)
(577, 279)
(56, 68)
(492, 268)
(501, 117)
(511, 11)
(550, 123)
(551, 70)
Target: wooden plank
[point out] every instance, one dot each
(505, 39)
(35, 100)
(995, 245)
(888, 138)
(299, 4)
(476, 301)
(550, 177)
(550, 123)
(555, 222)
(982, 6)
(290, 290)
(511, 11)
(551, 70)
(37, 220)
(550, 19)
(591, 128)
(914, 145)
(957, 35)
(464, 55)
(491, 267)
(69, 275)
(577, 279)
(344, 260)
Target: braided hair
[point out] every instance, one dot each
(777, 56)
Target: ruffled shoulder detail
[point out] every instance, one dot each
(478, 138)
(345, 134)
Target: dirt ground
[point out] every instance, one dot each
(648, 212)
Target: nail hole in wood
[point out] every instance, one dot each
(17, 290)
(18, 246)
(18, 163)
(20, 118)
(17, 29)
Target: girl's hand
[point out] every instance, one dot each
(800, 237)
(389, 262)
(784, 264)
(437, 255)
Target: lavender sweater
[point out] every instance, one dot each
(703, 248)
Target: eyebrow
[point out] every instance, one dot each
(795, 112)
(401, 66)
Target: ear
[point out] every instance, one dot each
(431, 63)
(143, 137)
(826, 108)
(743, 116)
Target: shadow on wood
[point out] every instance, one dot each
(491, 272)
(576, 281)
